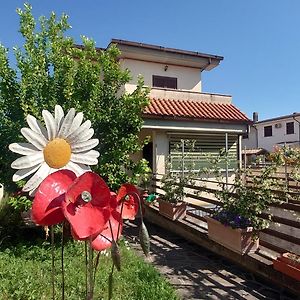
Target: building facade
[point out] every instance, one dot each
(275, 132)
(179, 111)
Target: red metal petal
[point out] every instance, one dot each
(104, 239)
(86, 220)
(92, 183)
(128, 196)
(127, 189)
(46, 206)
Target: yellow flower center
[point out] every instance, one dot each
(57, 153)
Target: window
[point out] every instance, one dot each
(290, 128)
(268, 130)
(195, 152)
(164, 82)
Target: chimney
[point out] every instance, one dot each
(255, 117)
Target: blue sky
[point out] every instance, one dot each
(259, 39)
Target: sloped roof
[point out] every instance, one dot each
(194, 110)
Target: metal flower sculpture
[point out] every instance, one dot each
(86, 205)
(47, 203)
(66, 189)
(65, 143)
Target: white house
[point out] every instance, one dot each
(179, 110)
(279, 131)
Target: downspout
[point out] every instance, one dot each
(298, 128)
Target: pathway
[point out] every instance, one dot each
(197, 273)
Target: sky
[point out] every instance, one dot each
(259, 40)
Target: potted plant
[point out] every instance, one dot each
(236, 222)
(289, 264)
(171, 203)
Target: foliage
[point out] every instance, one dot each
(242, 204)
(287, 156)
(26, 274)
(10, 218)
(173, 183)
(51, 70)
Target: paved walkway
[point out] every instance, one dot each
(197, 273)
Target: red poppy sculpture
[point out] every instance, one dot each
(47, 203)
(86, 205)
(93, 211)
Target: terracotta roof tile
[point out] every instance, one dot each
(198, 110)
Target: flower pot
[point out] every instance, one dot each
(237, 240)
(290, 259)
(172, 211)
(287, 269)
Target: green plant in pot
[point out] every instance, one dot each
(171, 203)
(236, 222)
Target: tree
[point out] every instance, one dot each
(51, 70)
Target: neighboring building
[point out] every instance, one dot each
(273, 132)
(179, 110)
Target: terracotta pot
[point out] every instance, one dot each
(287, 269)
(172, 211)
(285, 257)
(237, 240)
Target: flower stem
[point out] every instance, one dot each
(86, 268)
(53, 267)
(62, 263)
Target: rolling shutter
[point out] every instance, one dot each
(191, 153)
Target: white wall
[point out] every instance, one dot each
(279, 136)
(187, 78)
(160, 151)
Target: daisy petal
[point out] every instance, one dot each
(83, 159)
(75, 136)
(37, 178)
(84, 146)
(66, 124)
(20, 174)
(50, 124)
(92, 153)
(23, 148)
(84, 135)
(78, 169)
(28, 161)
(36, 125)
(76, 123)
(58, 116)
(36, 139)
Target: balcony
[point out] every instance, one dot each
(163, 93)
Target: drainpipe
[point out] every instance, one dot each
(298, 128)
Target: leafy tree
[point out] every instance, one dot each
(50, 70)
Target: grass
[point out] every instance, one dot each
(25, 273)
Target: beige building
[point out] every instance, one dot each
(179, 111)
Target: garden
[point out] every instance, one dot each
(61, 222)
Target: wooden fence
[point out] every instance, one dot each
(283, 233)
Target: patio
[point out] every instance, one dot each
(198, 273)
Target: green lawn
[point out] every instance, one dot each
(25, 273)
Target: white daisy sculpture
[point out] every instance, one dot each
(65, 143)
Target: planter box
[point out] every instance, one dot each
(288, 266)
(287, 269)
(285, 257)
(237, 240)
(172, 211)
